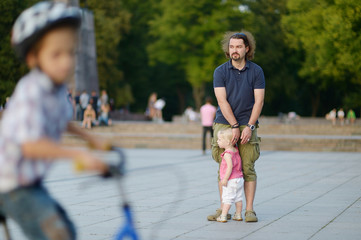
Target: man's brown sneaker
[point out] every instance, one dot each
(250, 216)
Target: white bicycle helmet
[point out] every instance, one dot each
(38, 19)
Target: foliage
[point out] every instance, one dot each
(11, 69)
(309, 50)
(144, 78)
(328, 32)
(188, 34)
(111, 23)
(277, 60)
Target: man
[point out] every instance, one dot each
(239, 86)
(208, 112)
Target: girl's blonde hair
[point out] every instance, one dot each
(226, 134)
(248, 40)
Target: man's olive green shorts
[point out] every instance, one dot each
(249, 152)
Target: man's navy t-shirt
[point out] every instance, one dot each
(240, 85)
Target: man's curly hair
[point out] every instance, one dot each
(248, 40)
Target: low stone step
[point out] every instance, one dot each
(304, 135)
(193, 141)
(196, 128)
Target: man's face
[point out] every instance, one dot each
(237, 49)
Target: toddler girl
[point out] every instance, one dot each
(231, 176)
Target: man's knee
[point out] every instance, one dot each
(216, 154)
(249, 175)
(249, 154)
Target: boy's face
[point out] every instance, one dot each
(56, 55)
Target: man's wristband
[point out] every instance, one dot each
(235, 125)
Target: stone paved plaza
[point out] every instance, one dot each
(300, 195)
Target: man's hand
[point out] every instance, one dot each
(236, 133)
(246, 135)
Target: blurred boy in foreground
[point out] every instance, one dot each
(44, 36)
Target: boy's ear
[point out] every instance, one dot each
(31, 59)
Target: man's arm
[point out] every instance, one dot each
(227, 112)
(258, 105)
(256, 111)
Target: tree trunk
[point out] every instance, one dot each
(181, 101)
(198, 95)
(315, 102)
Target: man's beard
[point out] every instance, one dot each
(236, 57)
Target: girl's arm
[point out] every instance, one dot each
(228, 159)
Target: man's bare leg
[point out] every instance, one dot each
(250, 191)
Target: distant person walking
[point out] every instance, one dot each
(208, 113)
(351, 117)
(239, 86)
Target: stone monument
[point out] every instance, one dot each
(86, 73)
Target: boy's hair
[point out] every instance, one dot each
(36, 21)
(247, 38)
(226, 134)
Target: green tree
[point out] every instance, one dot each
(11, 69)
(188, 34)
(111, 23)
(144, 78)
(328, 34)
(277, 60)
